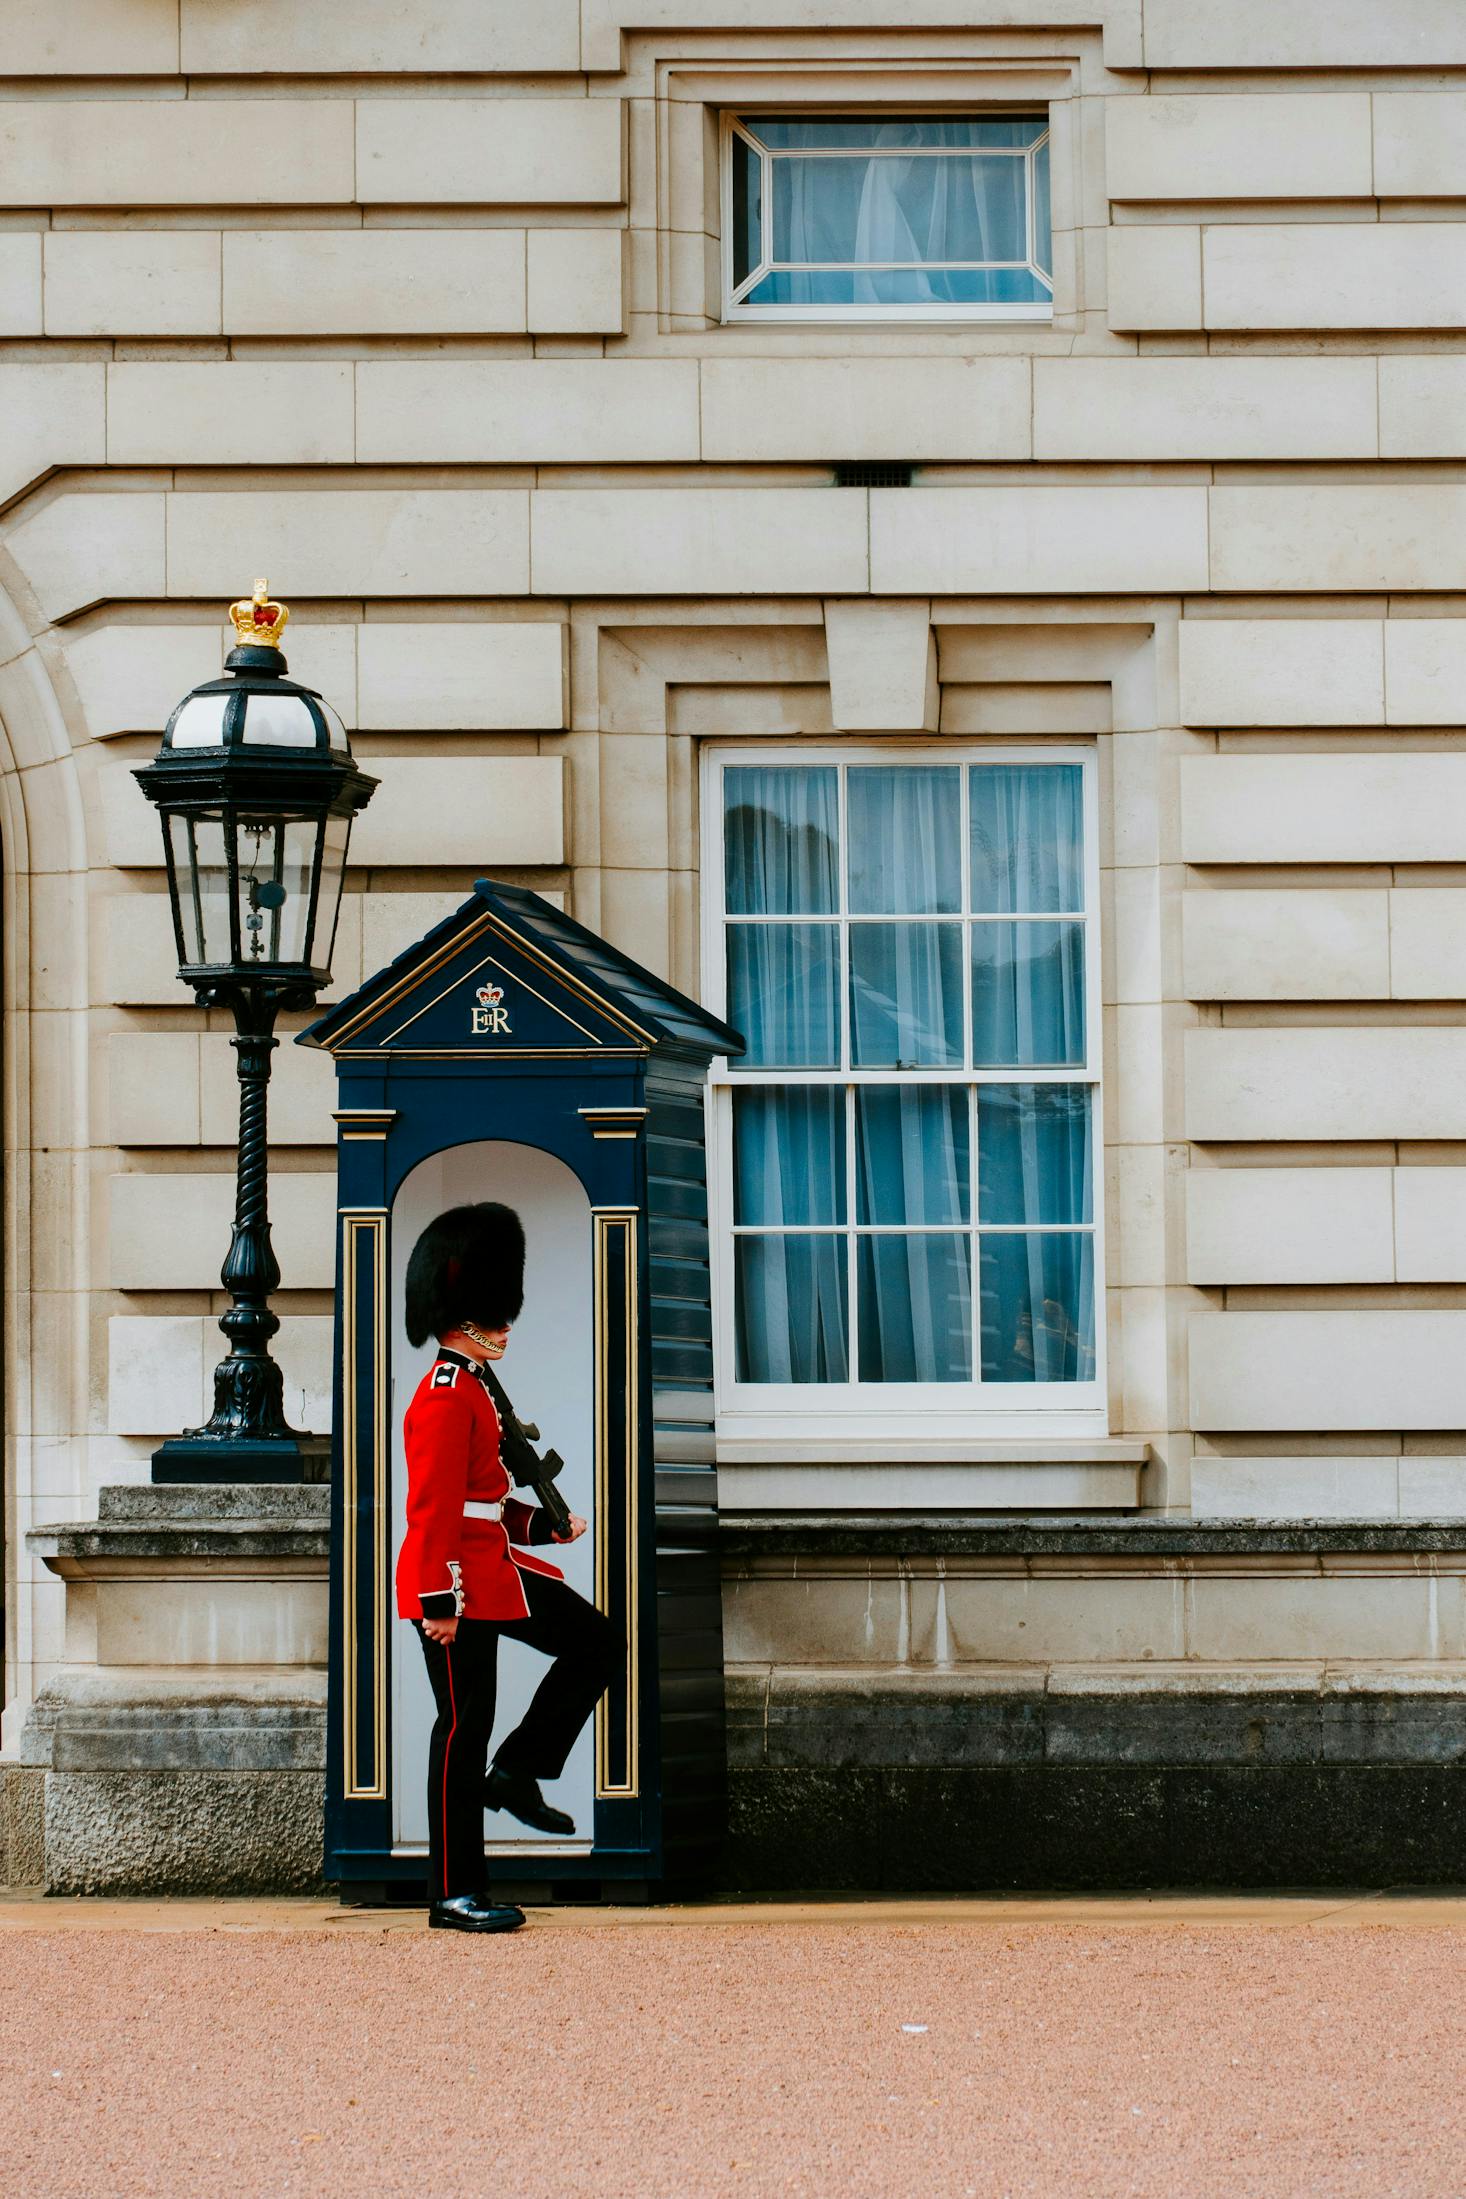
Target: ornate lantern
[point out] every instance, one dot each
(256, 787)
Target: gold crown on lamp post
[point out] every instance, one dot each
(258, 620)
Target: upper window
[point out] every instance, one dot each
(844, 216)
(907, 1146)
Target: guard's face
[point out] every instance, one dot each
(498, 1340)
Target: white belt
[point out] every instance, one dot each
(483, 1511)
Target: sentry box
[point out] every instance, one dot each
(513, 1055)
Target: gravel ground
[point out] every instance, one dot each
(843, 2054)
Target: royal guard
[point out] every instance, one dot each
(465, 1577)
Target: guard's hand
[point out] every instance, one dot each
(440, 1630)
(575, 1530)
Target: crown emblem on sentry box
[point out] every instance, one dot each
(490, 1019)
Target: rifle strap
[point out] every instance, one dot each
(497, 1392)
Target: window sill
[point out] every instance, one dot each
(861, 316)
(1023, 1474)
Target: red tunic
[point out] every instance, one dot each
(450, 1565)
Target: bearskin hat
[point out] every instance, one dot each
(468, 1265)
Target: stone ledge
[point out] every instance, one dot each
(261, 1500)
(783, 1536)
(747, 1684)
(281, 1521)
(146, 1718)
(829, 1718)
(894, 1453)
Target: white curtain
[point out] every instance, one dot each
(915, 209)
(912, 1167)
(789, 1172)
(1036, 1167)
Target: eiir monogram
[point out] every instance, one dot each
(490, 1019)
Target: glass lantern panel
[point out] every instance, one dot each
(200, 723)
(336, 732)
(201, 876)
(276, 858)
(278, 721)
(328, 892)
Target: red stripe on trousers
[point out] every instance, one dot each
(447, 1749)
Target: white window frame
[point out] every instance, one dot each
(731, 127)
(886, 1412)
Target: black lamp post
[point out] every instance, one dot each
(256, 788)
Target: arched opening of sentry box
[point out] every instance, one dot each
(549, 1371)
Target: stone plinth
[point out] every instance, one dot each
(183, 1748)
(939, 1704)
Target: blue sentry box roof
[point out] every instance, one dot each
(543, 983)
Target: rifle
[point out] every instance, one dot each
(522, 1462)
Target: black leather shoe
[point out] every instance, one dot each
(473, 1913)
(520, 1795)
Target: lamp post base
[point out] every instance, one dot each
(223, 1459)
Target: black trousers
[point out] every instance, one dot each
(587, 1648)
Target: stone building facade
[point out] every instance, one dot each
(606, 449)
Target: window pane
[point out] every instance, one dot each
(295, 860)
(780, 830)
(200, 723)
(933, 286)
(911, 1154)
(783, 994)
(1038, 1307)
(905, 995)
(1027, 995)
(1043, 240)
(747, 180)
(903, 210)
(791, 1309)
(904, 834)
(328, 893)
(278, 721)
(1033, 1153)
(1027, 837)
(201, 866)
(803, 133)
(915, 1309)
(789, 1155)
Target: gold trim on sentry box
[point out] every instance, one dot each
(617, 1782)
(486, 922)
(466, 977)
(613, 1122)
(371, 1223)
(500, 1053)
(362, 1124)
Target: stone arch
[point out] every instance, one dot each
(45, 1109)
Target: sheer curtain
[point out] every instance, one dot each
(1027, 996)
(781, 845)
(904, 827)
(905, 830)
(1027, 838)
(913, 1166)
(1027, 857)
(915, 206)
(881, 1184)
(781, 831)
(1036, 1167)
(789, 1173)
